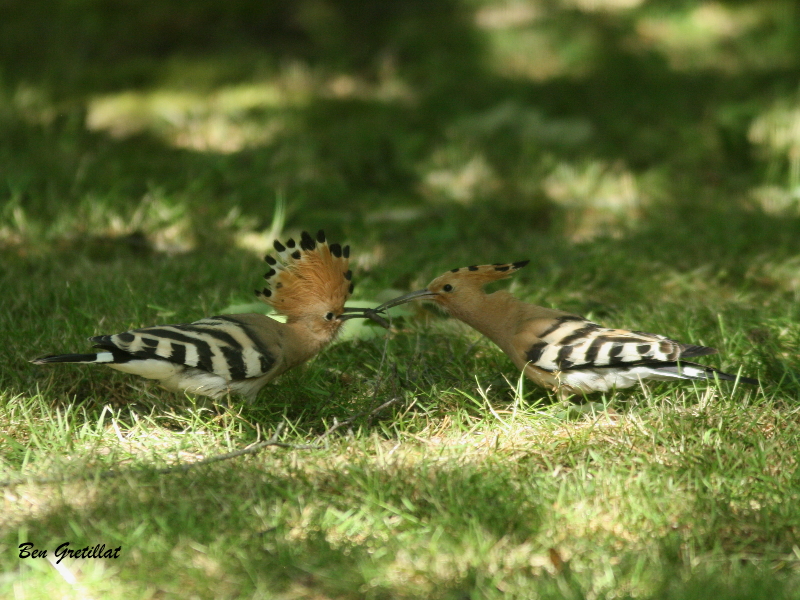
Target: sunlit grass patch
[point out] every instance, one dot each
(507, 510)
(523, 44)
(227, 121)
(714, 35)
(231, 118)
(517, 143)
(156, 223)
(599, 199)
(775, 133)
(528, 39)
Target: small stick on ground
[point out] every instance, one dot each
(274, 440)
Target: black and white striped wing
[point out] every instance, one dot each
(220, 345)
(572, 342)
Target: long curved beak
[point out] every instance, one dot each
(356, 312)
(418, 295)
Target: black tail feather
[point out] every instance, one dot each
(707, 372)
(684, 370)
(690, 350)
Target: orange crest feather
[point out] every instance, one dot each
(307, 278)
(479, 274)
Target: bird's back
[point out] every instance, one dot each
(213, 356)
(569, 351)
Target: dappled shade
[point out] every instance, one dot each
(589, 115)
(643, 155)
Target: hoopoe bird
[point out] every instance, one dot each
(556, 349)
(307, 282)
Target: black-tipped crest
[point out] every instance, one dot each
(307, 277)
(473, 275)
(307, 242)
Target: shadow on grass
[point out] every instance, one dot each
(336, 531)
(348, 153)
(440, 529)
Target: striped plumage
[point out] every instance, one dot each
(308, 282)
(557, 349)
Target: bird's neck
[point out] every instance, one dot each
(491, 314)
(306, 340)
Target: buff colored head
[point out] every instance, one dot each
(447, 289)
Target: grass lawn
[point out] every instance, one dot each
(643, 158)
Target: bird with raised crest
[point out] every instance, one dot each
(556, 349)
(308, 282)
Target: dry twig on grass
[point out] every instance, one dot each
(274, 440)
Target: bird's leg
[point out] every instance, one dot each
(563, 392)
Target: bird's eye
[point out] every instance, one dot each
(329, 316)
(448, 288)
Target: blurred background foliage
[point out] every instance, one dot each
(173, 127)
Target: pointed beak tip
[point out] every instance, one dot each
(424, 294)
